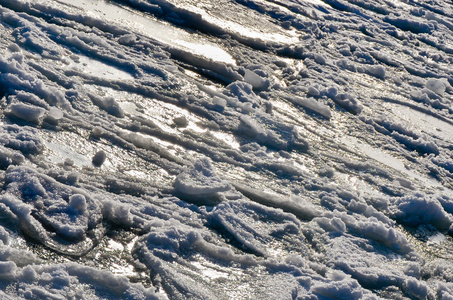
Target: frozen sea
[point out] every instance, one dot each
(226, 149)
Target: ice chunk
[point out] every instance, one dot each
(162, 249)
(312, 91)
(10, 157)
(258, 82)
(109, 104)
(250, 127)
(255, 227)
(416, 288)
(345, 288)
(334, 224)
(15, 74)
(347, 65)
(26, 112)
(8, 269)
(313, 105)
(54, 115)
(99, 158)
(349, 103)
(181, 121)
(365, 261)
(418, 209)
(200, 184)
(14, 48)
(409, 24)
(60, 217)
(384, 234)
(376, 71)
(78, 202)
(436, 85)
(295, 205)
(68, 281)
(298, 142)
(22, 138)
(128, 39)
(4, 236)
(219, 102)
(420, 96)
(244, 92)
(320, 59)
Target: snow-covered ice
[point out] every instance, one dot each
(246, 149)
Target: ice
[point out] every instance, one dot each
(254, 227)
(432, 125)
(343, 289)
(390, 161)
(376, 71)
(419, 209)
(200, 182)
(255, 80)
(436, 85)
(61, 211)
(91, 67)
(348, 102)
(99, 158)
(144, 25)
(26, 112)
(409, 24)
(313, 105)
(247, 149)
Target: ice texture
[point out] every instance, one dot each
(52, 213)
(200, 182)
(248, 149)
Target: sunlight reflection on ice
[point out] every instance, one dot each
(114, 246)
(423, 122)
(227, 138)
(60, 153)
(389, 160)
(145, 25)
(93, 67)
(267, 34)
(316, 2)
(209, 272)
(437, 238)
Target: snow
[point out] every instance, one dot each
(241, 149)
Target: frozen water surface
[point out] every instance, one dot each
(143, 24)
(241, 149)
(428, 124)
(95, 68)
(391, 162)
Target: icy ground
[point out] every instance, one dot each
(226, 149)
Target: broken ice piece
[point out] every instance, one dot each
(99, 158)
(200, 184)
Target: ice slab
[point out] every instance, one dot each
(423, 122)
(92, 67)
(388, 160)
(143, 24)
